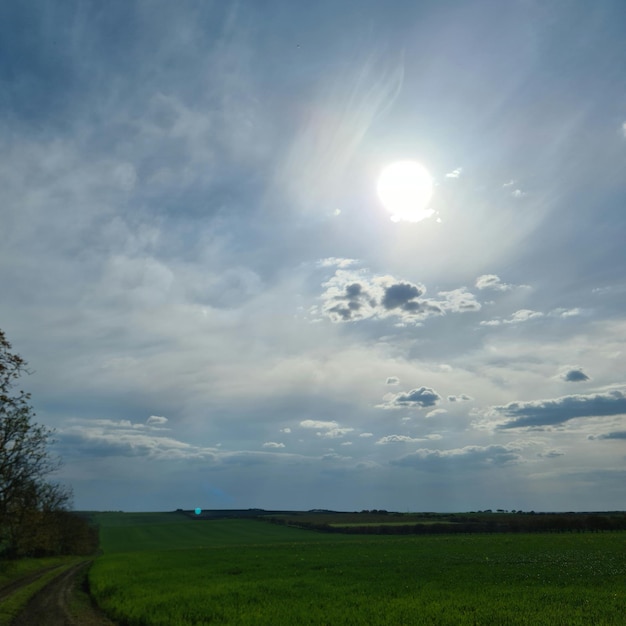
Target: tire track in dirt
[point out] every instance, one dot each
(52, 605)
(16, 585)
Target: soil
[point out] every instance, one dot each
(7, 590)
(63, 602)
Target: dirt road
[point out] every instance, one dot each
(63, 602)
(9, 589)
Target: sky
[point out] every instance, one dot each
(217, 309)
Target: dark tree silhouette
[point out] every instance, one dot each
(28, 502)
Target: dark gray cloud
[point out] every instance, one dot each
(352, 304)
(575, 376)
(469, 456)
(402, 296)
(416, 398)
(551, 412)
(393, 380)
(352, 295)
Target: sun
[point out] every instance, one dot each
(405, 189)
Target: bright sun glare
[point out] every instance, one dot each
(405, 188)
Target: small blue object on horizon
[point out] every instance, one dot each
(198, 511)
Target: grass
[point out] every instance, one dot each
(185, 572)
(379, 524)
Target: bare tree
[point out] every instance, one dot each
(25, 460)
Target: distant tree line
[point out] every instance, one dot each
(35, 519)
(459, 523)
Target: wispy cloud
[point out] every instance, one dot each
(468, 456)
(492, 281)
(523, 315)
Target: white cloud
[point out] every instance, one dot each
(492, 281)
(397, 439)
(468, 456)
(454, 173)
(518, 193)
(566, 312)
(334, 433)
(104, 437)
(273, 444)
(523, 315)
(286, 430)
(318, 424)
(156, 419)
(383, 441)
(338, 262)
(351, 296)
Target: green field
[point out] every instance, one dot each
(165, 569)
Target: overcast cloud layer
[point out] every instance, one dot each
(219, 313)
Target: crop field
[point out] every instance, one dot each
(163, 569)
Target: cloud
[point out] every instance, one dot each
(462, 398)
(156, 419)
(523, 315)
(455, 173)
(416, 398)
(285, 430)
(383, 441)
(492, 281)
(334, 433)
(435, 412)
(353, 302)
(352, 295)
(574, 376)
(624, 129)
(318, 424)
(565, 312)
(402, 296)
(551, 454)
(104, 437)
(518, 193)
(334, 261)
(393, 380)
(366, 435)
(326, 430)
(458, 301)
(538, 413)
(469, 456)
(617, 434)
(273, 444)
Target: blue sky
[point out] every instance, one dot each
(218, 311)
